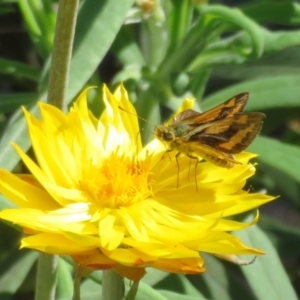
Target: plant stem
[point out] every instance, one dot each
(62, 51)
(59, 74)
(112, 286)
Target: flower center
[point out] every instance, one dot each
(117, 181)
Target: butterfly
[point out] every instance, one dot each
(215, 135)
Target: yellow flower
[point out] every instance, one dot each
(96, 194)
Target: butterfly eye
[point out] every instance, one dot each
(168, 136)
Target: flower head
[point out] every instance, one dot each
(96, 194)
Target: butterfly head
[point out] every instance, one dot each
(164, 133)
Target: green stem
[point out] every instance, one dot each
(60, 64)
(112, 286)
(46, 277)
(77, 281)
(62, 51)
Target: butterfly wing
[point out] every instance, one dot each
(230, 135)
(227, 109)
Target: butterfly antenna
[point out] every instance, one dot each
(145, 120)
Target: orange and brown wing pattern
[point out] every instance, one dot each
(229, 108)
(231, 135)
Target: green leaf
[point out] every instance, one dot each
(267, 275)
(14, 270)
(11, 102)
(64, 287)
(265, 93)
(19, 70)
(16, 131)
(277, 41)
(229, 51)
(285, 237)
(221, 280)
(173, 296)
(145, 292)
(97, 26)
(126, 48)
(277, 154)
(153, 276)
(279, 63)
(284, 12)
(177, 283)
(179, 19)
(5, 203)
(40, 21)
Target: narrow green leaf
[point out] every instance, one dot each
(277, 154)
(265, 93)
(126, 48)
(174, 296)
(19, 70)
(179, 18)
(64, 287)
(240, 20)
(14, 270)
(5, 203)
(153, 276)
(220, 281)
(145, 292)
(232, 50)
(279, 63)
(16, 131)
(36, 17)
(97, 26)
(267, 275)
(277, 41)
(283, 12)
(179, 284)
(285, 237)
(11, 102)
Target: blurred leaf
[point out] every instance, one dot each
(280, 155)
(265, 93)
(276, 229)
(89, 290)
(16, 131)
(229, 51)
(40, 21)
(4, 203)
(145, 292)
(64, 287)
(221, 280)
(126, 48)
(206, 31)
(177, 283)
(11, 102)
(179, 19)
(153, 276)
(93, 37)
(19, 70)
(282, 183)
(171, 295)
(277, 64)
(284, 12)
(14, 270)
(277, 41)
(267, 275)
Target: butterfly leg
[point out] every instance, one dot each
(163, 156)
(178, 168)
(196, 166)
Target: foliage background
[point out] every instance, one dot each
(164, 53)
